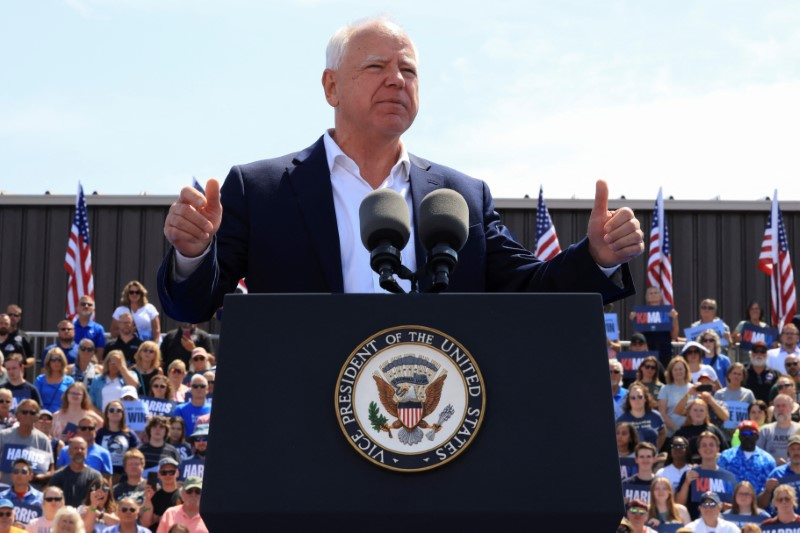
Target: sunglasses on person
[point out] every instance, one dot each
(678, 446)
(785, 386)
(56, 360)
(23, 471)
(104, 488)
(148, 350)
(649, 367)
(199, 358)
(692, 351)
(52, 499)
(783, 499)
(759, 349)
(200, 439)
(6, 514)
(637, 341)
(198, 386)
(158, 386)
(615, 371)
(115, 410)
(15, 315)
(707, 340)
(791, 363)
(175, 371)
(637, 510)
(747, 433)
(708, 307)
(86, 349)
(28, 412)
(65, 329)
(87, 428)
(637, 397)
(87, 304)
(168, 472)
(193, 491)
(128, 510)
(134, 291)
(708, 505)
(3, 400)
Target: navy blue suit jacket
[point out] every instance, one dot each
(279, 231)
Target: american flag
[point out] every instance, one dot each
(78, 261)
(775, 251)
(659, 261)
(546, 239)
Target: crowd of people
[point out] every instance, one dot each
(709, 438)
(111, 433)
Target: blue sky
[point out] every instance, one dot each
(140, 95)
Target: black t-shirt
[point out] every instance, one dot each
(75, 485)
(164, 500)
(136, 492)
(127, 348)
(153, 455)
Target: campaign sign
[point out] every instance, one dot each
(193, 466)
(25, 512)
(636, 491)
(793, 480)
(39, 459)
(782, 528)
(738, 412)
(668, 528)
(70, 430)
(719, 481)
(717, 325)
(752, 334)
(612, 326)
(136, 414)
(742, 519)
(652, 318)
(627, 467)
(630, 362)
(156, 406)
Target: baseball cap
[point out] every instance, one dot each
(193, 482)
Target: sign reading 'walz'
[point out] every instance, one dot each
(410, 398)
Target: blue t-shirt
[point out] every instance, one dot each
(96, 456)
(51, 393)
(190, 413)
(92, 331)
(720, 366)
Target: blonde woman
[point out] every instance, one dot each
(54, 382)
(663, 509)
(176, 372)
(784, 500)
(52, 501)
(68, 520)
(108, 386)
(147, 364)
(75, 405)
(133, 300)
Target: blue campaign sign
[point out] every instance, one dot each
(652, 318)
(742, 519)
(627, 467)
(70, 430)
(719, 481)
(612, 326)
(717, 325)
(636, 491)
(669, 528)
(751, 334)
(630, 362)
(136, 414)
(738, 412)
(25, 512)
(782, 528)
(39, 459)
(157, 406)
(193, 466)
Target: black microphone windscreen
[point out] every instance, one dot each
(443, 218)
(384, 216)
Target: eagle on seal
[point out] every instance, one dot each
(410, 387)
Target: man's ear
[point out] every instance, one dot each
(329, 85)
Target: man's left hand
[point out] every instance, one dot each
(614, 236)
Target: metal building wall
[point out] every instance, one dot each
(714, 249)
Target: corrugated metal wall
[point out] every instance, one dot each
(715, 246)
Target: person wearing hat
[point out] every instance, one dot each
(44, 423)
(784, 501)
(7, 517)
(188, 513)
(156, 502)
(636, 513)
(747, 461)
(710, 520)
(790, 468)
(760, 378)
(694, 352)
(194, 466)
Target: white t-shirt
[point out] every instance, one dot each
(142, 318)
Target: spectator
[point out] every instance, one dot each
(708, 315)
(784, 500)
(710, 520)
(86, 327)
(53, 498)
(128, 518)
(177, 437)
(20, 389)
(176, 373)
(14, 313)
(115, 436)
(636, 515)
(187, 514)
(65, 341)
(773, 437)
(627, 439)
(8, 344)
(44, 423)
(747, 461)
(161, 388)
(75, 405)
(108, 386)
(133, 300)
(157, 447)
(76, 477)
(693, 353)
(198, 364)
(127, 341)
(708, 445)
(156, 502)
(755, 317)
(744, 503)
(715, 358)
(8, 517)
(789, 469)
(94, 455)
(54, 382)
(179, 343)
(7, 418)
(789, 338)
(677, 387)
(647, 375)
(697, 422)
(133, 485)
(661, 341)
(148, 364)
(211, 379)
(785, 385)
(26, 436)
(639, 407)
(67, 520)
(702, 390)
(677, 461)
(637, 486)
(194, 466)
(85, 368)
(21, 494)
(736, 398)
(663, 509)
(792, 366)
(197, 406)
(760, 378)
(99, 508)
(618, 392)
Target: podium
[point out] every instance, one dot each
(544, 457)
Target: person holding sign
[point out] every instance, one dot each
(663, 509)
(784, 500)
(789, 338)
(747, 461)
(744, 504)
(660, 341)
(710, 521)
(75, 405)
(26, 440)
(737, 399)
(755, 316)
(784, 473)
(696, 480)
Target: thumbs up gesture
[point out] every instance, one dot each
(193, 219)
(614, 236)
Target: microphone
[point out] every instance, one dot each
(443, 228)
(385, 228)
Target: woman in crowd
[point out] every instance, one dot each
(639, 407)
(176, 372)
(694, 352)
(99, 508)
(697, 422)
(720, 363)
(161, 388)
(148, 364)
(734, 395)
(755, 316)
(85, 368)
(115, 436)
(67, 520)
(7, 418)
(677, 386)
(54, 382)
(647, 375)
(108, 386)
(784, 500)
(75, 405)
(198, 364)
(663, 509)
(177, 437)
(52, 501)
(744, 502)
(677, 461)
(133, 300)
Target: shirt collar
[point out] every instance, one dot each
(336, 156)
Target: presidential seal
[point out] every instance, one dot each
(410, 398)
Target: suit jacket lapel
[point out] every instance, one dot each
(311, 180)
(422, 183)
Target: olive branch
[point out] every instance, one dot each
(377, 420)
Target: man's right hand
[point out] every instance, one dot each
(193, 219)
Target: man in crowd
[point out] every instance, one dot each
(87, 328)
(789, 469)
(618, 392)
(774, 437)
(747, 461)
(637, 487)
(710, 521)
(789, 339)
(26, 437)
(157, 447)
(127, 342)
(20, 389)
(76, 478)
(792, 366)
(760, 379)
(27, 501)
(187, 514)
(133, 485)
(14, 313)
(197, 406)
(65, 340)
(194, 466)
(661, 341)
(156, 502)
(179, 343)
(7, 419)
(708, 315)
(8, 342)
(96, 456)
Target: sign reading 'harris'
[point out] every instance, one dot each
(410, 398)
